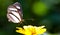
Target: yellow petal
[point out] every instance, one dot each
(18, 27)
(40, 31)
(27, 32)
(41, 27)
(20, 30)
(25, 27)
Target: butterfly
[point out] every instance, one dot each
(14, 13)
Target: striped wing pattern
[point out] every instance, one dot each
(14, 13)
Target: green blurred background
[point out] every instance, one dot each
(44, 12)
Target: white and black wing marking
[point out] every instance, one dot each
(14, 13)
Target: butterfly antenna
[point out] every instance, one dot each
(29, 19)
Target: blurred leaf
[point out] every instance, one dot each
(39, 8)
(3, 6)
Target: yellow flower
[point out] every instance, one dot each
(31, 30)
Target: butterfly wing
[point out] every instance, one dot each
(14, 13)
